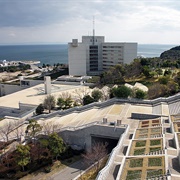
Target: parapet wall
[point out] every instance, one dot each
(82, 137)
(109, 102)
(143, 116)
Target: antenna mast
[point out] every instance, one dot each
(93, 31)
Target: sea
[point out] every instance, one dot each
(58, 53)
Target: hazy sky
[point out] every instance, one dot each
(60, 21)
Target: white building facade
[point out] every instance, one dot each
(93, 56)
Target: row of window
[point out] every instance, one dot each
(113, 58)
(104, 54)
(112, 47)
(112, 50)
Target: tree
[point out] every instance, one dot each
(172, 88)
(140, 94)
(113, 75)
(97, 95)
(64, 101)
(68, 103)
(159, 71)
(5, 131)
(87, 100)
(33, 128)
(56, 145)
(97, 152)
(134, 69)
(164, 80)
(44, 66)
(49, 102)
(23, 158)
(18, 130)
(146, 71)
(50, 127)
(60, 102)
(80, 93)
(121, 91)
(177, 78)
(167, 72)
(157, 90)
(40, 109)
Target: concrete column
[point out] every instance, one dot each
(47, 84)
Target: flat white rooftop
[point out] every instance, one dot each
(35, 95)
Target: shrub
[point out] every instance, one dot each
(139, 94)
(122, 92)
(40, 109)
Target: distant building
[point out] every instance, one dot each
(3, 63)
(92, 56)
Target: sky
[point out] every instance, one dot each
(60, 21)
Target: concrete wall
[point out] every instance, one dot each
(6, 89)
(31, 83)
(77, 59)
(143, 116)
(82, 137)
(130, 52)
(89, 39)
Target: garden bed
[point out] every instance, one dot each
(154, 173)
(155, 142)
(131, 175)
(143, 168)
(140, 147)
(140, 143)
(139, 151)
(136, 163)
(148, 132)
(155, 162)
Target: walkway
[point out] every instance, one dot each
(71, 171)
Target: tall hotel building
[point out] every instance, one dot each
(93, 56)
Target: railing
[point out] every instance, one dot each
(110, 102)
(103, 174)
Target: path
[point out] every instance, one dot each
(70, 172)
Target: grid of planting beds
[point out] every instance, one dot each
(143, 168)
(145, 147)
(149, 123)
(148, 133)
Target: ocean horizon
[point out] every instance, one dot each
(58, 53)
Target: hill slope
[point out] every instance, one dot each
(173, 53)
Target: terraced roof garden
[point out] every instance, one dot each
(143, 168)
(149, 123)
(148, 132)
(146, 147)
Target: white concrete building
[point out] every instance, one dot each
(93, 55)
